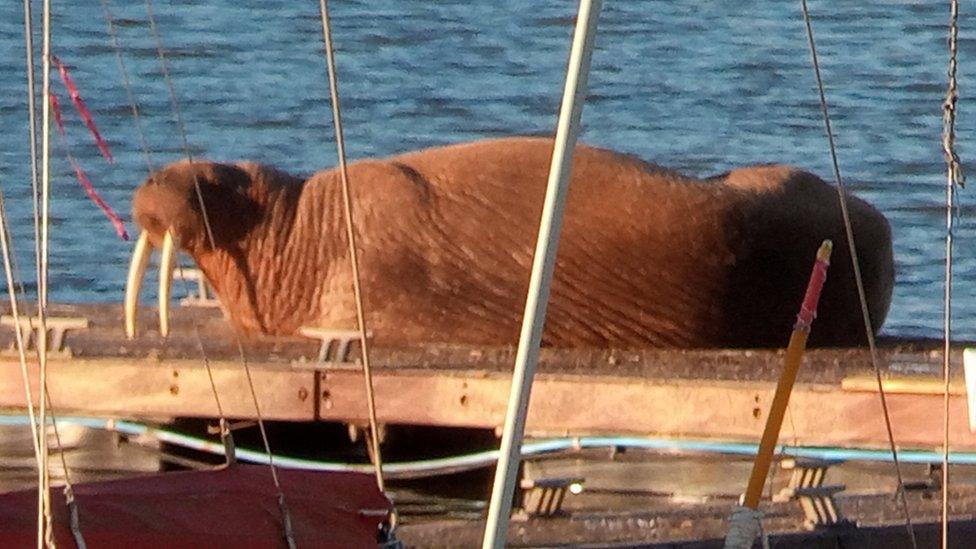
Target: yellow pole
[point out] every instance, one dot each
(794, 355)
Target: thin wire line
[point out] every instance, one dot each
(10, 268)
(18, 333)
(38, 428)
(147, 153)
(181, 127)
(865, 313)
(351, 237)
(32, 127)
(128, 85)
(286, 515)
(41, 340)
(68, 487)
(32, 131)
(953, 179)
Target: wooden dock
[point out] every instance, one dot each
(712, 395)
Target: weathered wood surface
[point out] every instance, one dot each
(696, 394)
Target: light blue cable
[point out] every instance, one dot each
(428, 467)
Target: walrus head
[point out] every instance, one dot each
(196, 202)
(195, 206)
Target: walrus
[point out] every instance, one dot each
(648, 257)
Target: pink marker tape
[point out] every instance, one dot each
(808, 310)
(83, 109)
(94, 196)
(56, 108)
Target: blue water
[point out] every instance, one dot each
(699, 86)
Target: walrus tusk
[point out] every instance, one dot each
(166, 265)
(133, 284)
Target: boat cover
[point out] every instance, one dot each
(235, 507)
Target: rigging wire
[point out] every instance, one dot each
(38, 426)
(376, 455)
(865, 313)
(286, 515)
(147, 154)
(32, 132)
(44, 497)
(133, 105)
(954, 179)
(18, 333)
(150, 167)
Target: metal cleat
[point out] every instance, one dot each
(807, 487)
(544, 497)
(56, 328)
(203, 296)
(334, 351)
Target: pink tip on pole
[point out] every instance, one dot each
(808, 310)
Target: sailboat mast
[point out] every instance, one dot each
(533, 320)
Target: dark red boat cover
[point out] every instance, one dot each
(232, 507)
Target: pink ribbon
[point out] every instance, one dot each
(83, 109)
(56, 107)
(83, 177)
(94, 196)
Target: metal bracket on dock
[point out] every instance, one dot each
(807, 487)
(544, 497)
(57, 326)
(334, 350)
(203, 297)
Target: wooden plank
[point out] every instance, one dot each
(576, 405)
(164, 389)
(902, 384)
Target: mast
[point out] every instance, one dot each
(533, 320)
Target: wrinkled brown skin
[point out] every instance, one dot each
(648, 257)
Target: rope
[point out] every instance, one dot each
(225, 433)
(849, 231)
(954, 178)
(376, 455)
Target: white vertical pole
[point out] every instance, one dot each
(44, 500)
(543, 263)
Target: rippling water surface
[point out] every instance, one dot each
(699, 86)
